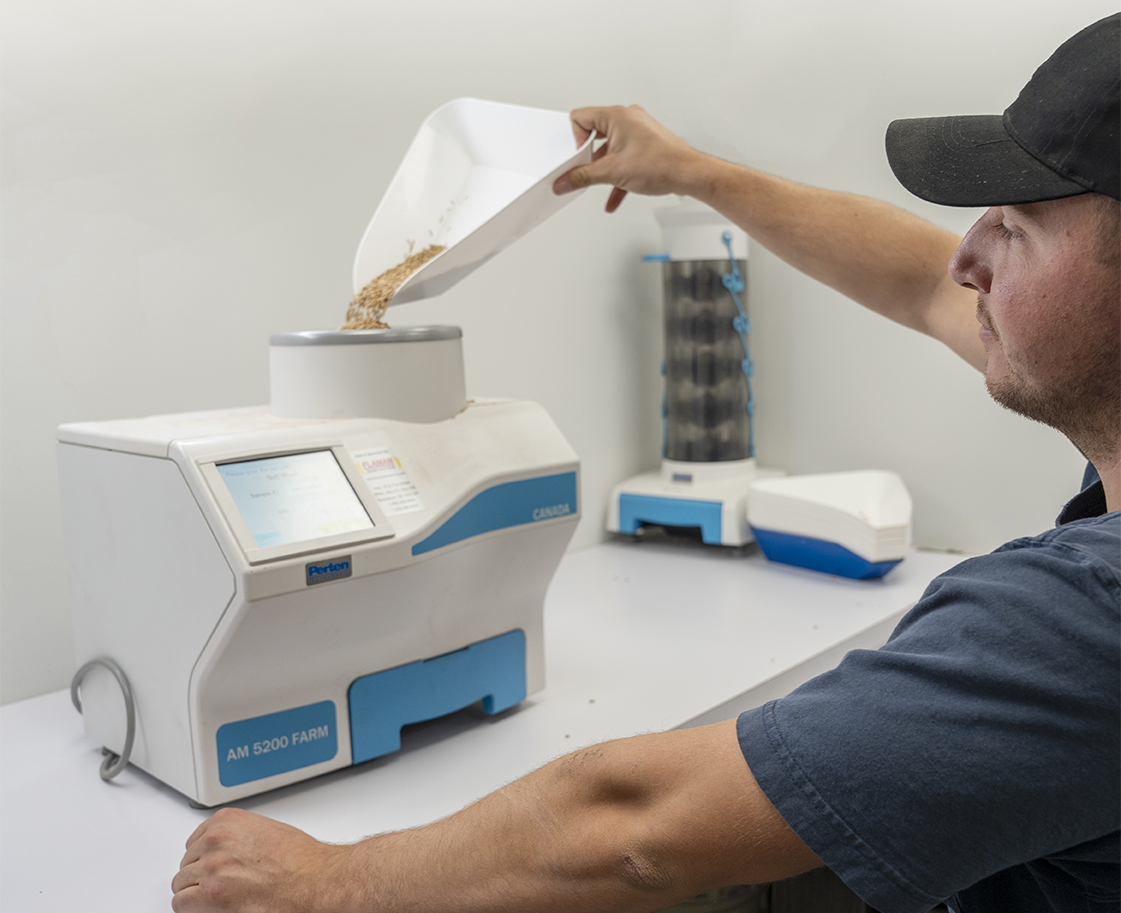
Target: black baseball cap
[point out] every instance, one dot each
(1061, 137)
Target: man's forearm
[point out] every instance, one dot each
(878, 255)
(631, 825)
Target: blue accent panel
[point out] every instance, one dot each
(634, 510)
(276, 743)
(508, 504)
(380, 704)
(818, 555)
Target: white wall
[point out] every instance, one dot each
(181, 180)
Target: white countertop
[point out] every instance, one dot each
(639, 637)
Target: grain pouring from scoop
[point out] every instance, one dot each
(368, 307)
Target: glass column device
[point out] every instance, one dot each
(708, 402)
(708, 448)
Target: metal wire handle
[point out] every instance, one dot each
(113, 763)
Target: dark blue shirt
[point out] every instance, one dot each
(974, 757)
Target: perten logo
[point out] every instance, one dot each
(334, 569)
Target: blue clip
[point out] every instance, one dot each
(733, 282)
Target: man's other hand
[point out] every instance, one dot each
(237, 860)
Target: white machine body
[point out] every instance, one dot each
(259, 658)
(284, 588)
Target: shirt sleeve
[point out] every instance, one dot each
(984, 734)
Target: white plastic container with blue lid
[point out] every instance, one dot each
(855, 524)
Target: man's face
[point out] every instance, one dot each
(1049, 305)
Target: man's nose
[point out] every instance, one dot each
(968, 266)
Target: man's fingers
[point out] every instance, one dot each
(585, 176)
(595, 121)
(586, 121)
(584, 124)
(192, 855)
(183, 879)
(572, 180)
(591, 119)
(578, 179)
(188, 900)
(580, 134)
(185, 885)
(598, 172)
(615, 200)
(198, 832)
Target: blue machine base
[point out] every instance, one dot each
(380, 704)
(635, 510)
(818, 555)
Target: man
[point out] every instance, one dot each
(975, 756)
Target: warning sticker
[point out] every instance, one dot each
(388, 481)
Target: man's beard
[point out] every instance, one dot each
(1085, 405)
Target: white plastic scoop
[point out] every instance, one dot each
(478, 176)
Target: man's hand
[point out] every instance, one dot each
(640, 155)
(236, 860)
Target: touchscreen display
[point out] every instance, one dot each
(294, 498)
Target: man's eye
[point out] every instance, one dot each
(1006, 232)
